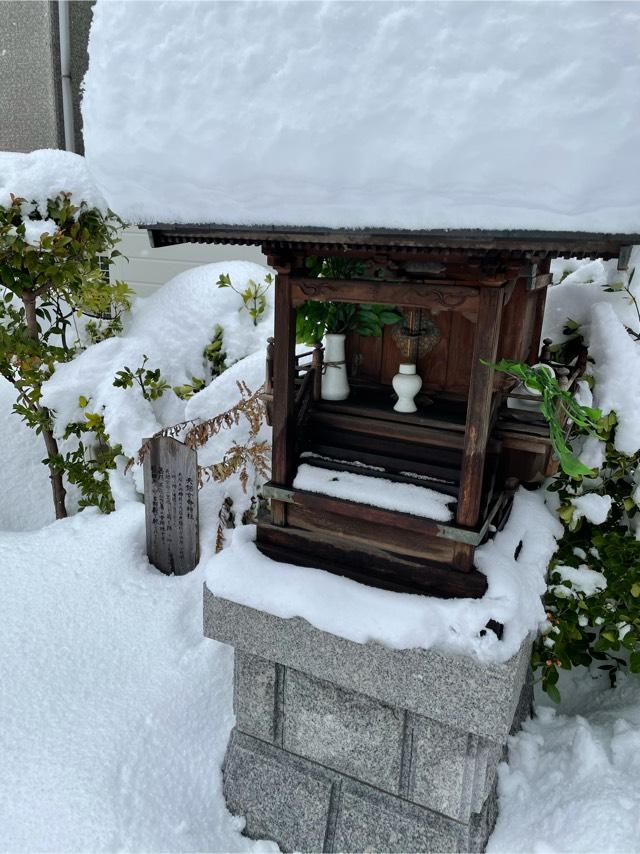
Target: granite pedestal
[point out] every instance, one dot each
(340, 746)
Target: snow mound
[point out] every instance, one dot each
(580, 285)
(616, 371)
(583, 580)
(24, 478)
(171, 327)
(595, 508)
(571, 784)
(604, 318)
(404, 115)
(402, 620)
(115, 711)
(43, 174)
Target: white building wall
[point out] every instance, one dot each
(148, 268)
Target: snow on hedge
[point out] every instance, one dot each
(171, 327)
(43, 174)
(602, 317)
(412, 115)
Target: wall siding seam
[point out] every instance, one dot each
(332, 816)
(406, 757)
(278, 705)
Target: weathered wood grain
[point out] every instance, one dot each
(370, 565)
(171, 505)
(437, 296)
(479, 407)
(283, 417)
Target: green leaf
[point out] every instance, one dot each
(552, 692)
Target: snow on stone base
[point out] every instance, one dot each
(360, 613)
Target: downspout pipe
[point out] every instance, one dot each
(65, 73)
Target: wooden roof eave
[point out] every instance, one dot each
(478, 241)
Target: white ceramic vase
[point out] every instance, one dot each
(335, 384)
(406, 385)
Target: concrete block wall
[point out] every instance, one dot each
(421, 760)
(327, 755)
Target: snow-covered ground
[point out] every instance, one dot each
(115, 710)
(115, 714)
(573, 779)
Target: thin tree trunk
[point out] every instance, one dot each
(55, 475)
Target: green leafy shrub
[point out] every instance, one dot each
(555, 405)
(106, 318)
(149, 380)
(89, 464)
(215, 354)
(186, 391)
(51, 268)
(315, 319)
(334, 267)
(254, 296)
(216, 362)
(600, 626)
(592, 600)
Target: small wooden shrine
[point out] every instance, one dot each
(467, 298)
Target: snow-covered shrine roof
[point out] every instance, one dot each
(370, 115)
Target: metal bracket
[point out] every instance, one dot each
(280, 493)
(471, 538)
(623, 257)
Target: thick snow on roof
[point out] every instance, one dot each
(357, 114)
(43, 174)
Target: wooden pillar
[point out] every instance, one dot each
(283, 385)
(485, 347)
(541, 299)
(317, 361)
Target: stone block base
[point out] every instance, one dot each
(305, 806)
(341, 746)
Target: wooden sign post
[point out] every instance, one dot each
(171, 505)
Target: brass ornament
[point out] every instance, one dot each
(417, 335)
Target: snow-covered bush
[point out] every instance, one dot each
(53, 249)
(253, 295)
(592, 599)
(593, 595)
(178, 361)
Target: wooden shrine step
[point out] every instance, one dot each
(385, 452)
(367, 563)
(440, 478)
(400, 432)
(320, 504)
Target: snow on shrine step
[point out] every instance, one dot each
(375, 491)
(380, 466)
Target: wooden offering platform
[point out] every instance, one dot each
(468, 298)
(395, 550)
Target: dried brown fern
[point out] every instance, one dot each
(250, 407)
(236, 460)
